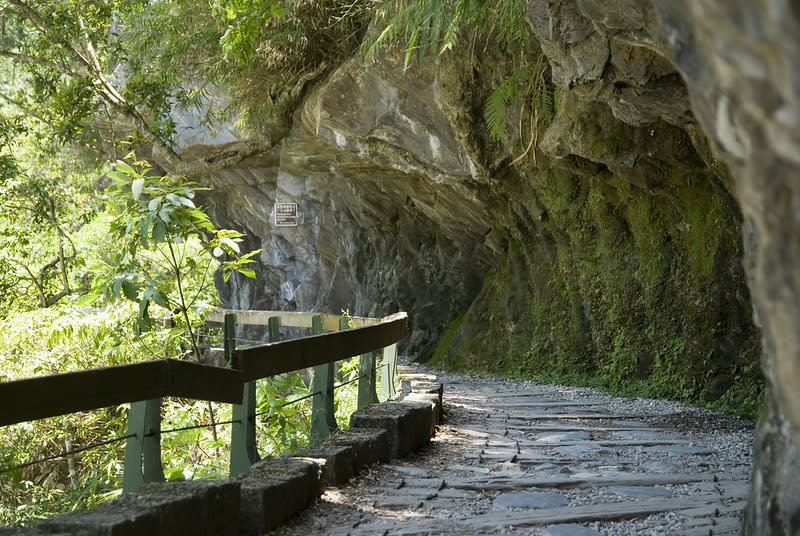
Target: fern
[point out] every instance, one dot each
(512, 88)
(532, 88)
(544, 100)
(511, 22)
(426, 27)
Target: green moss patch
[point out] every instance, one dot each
(610, 280)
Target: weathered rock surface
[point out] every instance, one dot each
(739, 61)
(390, 215)
(619, 247)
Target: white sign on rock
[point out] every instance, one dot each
(286, 214)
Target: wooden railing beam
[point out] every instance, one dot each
(145, 384)
(270, 359)
(59, 394)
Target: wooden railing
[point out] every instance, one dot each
(143, 385)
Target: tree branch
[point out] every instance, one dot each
(89, 63)
(53, 299)
(47, 28)
(25, 109)
(37, 282)
(18, 57)
(85, 62)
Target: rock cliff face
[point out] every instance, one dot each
(619, 248)
(392, 215)
(739, 61)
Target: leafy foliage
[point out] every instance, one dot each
(532, 89)
(45, 199)
(114, 72)
(105, 76)
(512, 88)
(159, 238)
(260, 52)
(426, 27)
(64, 338)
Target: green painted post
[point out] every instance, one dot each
(244, 452)
(323, 418)
(151, 450)
(229, 337)
(366, 380)
(388, 372)
(274, 324)
(143, 448)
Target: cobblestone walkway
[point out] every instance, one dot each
(517, 458)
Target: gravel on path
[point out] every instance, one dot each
(502, 438)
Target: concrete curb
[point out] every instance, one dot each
(408, 425)
(371, 445)
(337, 463)
(275, 489)
(347, 452)
(434, 401)
(185, 507)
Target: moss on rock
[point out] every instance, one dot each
(622, 267)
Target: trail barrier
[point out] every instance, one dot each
(143, 385)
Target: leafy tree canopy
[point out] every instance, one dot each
(100, 71)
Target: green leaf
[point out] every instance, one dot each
(130, 289)
(144, 322)
(153, 294)
(121, 166)
(185, 201)
(159, 299)
(230, 244)
(159, 232)
(144, 226)
(247, 272)
(88, 299)
(116, 288)
(245, 258)
(117, 177)
(136, 188)
(152, 206)
(175, 473)
(412, 42)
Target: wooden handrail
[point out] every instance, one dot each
(58, 394)
(144, 384)
(288, 319)
(270, 359)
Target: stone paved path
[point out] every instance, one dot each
(517, 458)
